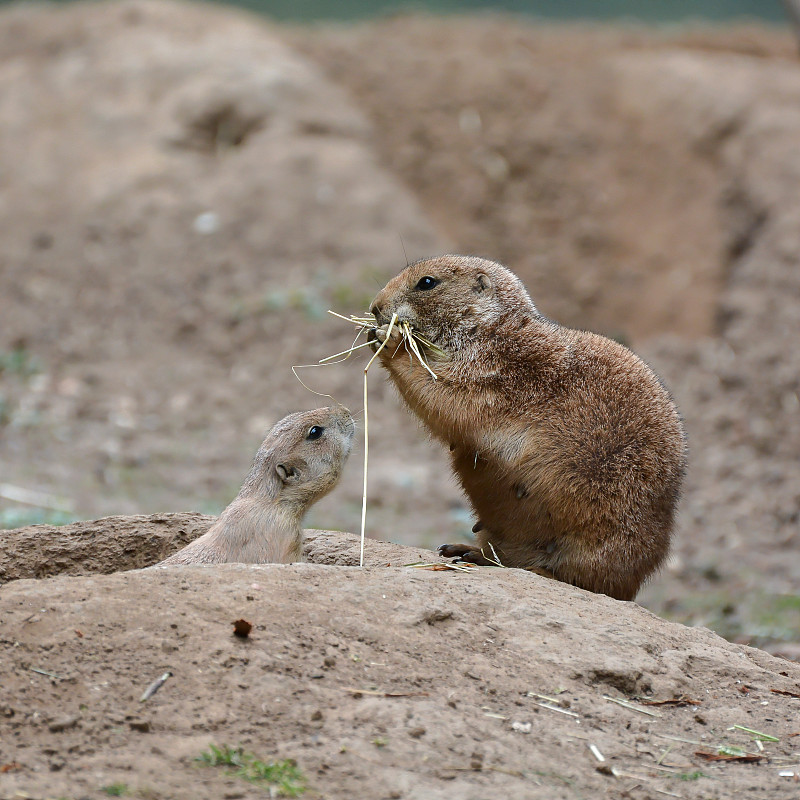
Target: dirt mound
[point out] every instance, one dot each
(381, 682)
(106, 545)
(113, 544)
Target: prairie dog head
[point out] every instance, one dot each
(302, 457)
(450, 297)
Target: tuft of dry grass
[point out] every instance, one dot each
(411, 341)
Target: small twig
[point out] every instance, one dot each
(313, 391)
(48, 674)
(154, 687)
(631, 706)
(619, 773)
(785, 693)
(31, 497)
(744, 758)
(560, 710)
(439, 566)
(596, 753)
(409, 338)
(345, 353)
(377, 693)
(428, 344)
(327, 362)
(366, 436)
(765, 737)
(576, 734)
(496, 560)
(363, 322)
(543, 697)
(664, 754)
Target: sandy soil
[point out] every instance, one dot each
(185, 190)
(382, 682)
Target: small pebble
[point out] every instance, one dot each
(206, 223)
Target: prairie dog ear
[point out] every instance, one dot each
(287, 474)
(483, 283)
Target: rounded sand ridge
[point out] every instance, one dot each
(378, 681)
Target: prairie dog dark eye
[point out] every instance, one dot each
(314, 432)
(423, 284)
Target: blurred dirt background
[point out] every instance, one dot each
(185, 191)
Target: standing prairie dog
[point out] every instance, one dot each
(299, 462)
(568, 447)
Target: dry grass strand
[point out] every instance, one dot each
(412, 341)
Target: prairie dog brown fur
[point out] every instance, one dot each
(570, 450)
(299, 462)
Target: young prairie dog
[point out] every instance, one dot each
(299, 462)
(570, 450)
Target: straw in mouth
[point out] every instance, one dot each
(412, 340)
